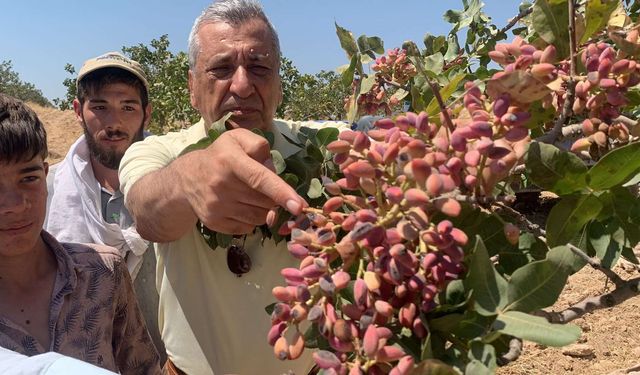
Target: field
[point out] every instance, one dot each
(610, 342)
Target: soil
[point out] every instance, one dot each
(610, 342)
(62, 130)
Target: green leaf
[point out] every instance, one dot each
(347, 42)
(278, 161)
(433, 108)
(315, 189)
(597, 15)
(314, 152)
(615, 168)
(269, 308)
(348, 73)
(483, 359)
(606, 248)
(550, 20)
(400, 94)
(538, 284)
(433, 367)
(452, 16)
(220, 125)
(369, 45)
(433, 64)
(540, 115)
(568, 217)
(367, 83)
(489, 287)
(290, 179)
(326, 136)
(553, 169)
(224, 240)
(536, 329)
(453, 48)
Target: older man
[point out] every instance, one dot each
(211, 320)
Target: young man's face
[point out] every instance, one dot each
(112, 118)
(236, 72)
(23, 204)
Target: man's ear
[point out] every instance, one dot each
(77, 108)
(147, 115)
(46, 168)
(192, 96)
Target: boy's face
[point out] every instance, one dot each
(23, 203)
(112, 118)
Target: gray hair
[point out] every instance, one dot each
(233, 12)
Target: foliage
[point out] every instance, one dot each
(310, 97)
(415, 255)
(12, 85)
(169, 90)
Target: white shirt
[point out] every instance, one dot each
(12, 363)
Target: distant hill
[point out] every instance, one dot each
(62, 130)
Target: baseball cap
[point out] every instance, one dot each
(113, 60)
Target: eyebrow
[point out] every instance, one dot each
(33, 168)
(102, 101)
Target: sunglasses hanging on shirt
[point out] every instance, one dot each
(238, 261)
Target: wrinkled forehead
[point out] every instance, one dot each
(252, 39)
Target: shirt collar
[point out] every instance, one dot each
(67, 267)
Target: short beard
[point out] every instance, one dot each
(109, 158)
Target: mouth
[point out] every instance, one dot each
(242, 111)
(114, 140)
(17, 228)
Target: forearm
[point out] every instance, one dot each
(159, 204)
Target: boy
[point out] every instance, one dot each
(73, 299)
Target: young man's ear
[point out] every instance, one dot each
(77, 108)
(46, 168)
(147, 115)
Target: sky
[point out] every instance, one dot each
(41, 37)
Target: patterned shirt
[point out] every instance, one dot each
(93, 315)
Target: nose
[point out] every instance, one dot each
(12, 201)
(241, 84)
(114, 119)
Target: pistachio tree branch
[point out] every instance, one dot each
(596, 264)
(621, 293)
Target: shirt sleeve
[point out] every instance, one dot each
(142, 158)
(133, 349)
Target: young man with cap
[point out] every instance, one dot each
(85, 204)
(73, 299)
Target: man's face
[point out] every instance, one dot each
(23, 203)
(112, 118)
(236, 72)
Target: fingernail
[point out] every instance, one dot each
(271, 217)
(293, 206)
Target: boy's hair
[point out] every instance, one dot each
(98, 79)
(22, 135)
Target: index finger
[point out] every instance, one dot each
(262, 179)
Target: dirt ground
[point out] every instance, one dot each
(610, 341)
(62, 130)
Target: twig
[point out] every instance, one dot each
(515, 20)
(503, 199)
(395, 84)
(535, 228)
(595, 263)
(622, 293)
(515, 349)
